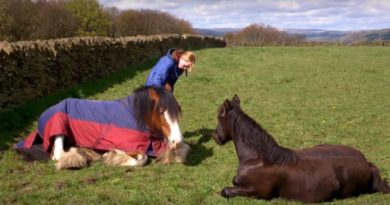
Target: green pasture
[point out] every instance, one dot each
(303, 96)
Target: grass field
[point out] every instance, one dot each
(303, 96)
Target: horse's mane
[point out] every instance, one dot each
(143, 104)
(259, 139)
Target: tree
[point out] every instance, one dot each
(92, 19)
(43, 19)
(15, 19)
(53, 20)
(149, 22)
(113, 13)
(39, 19)
(128, 24)
(261, 35)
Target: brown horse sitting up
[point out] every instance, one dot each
(267, 170)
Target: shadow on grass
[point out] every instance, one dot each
(17, 120)
(199, 152)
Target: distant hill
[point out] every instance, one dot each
(318, 34)
(315, 34)
(370, 35)
(216, 31)
(310, 34)
(342, 36)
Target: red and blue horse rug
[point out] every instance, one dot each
(98, 125)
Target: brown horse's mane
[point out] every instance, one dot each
(257, 138)
(143, 104)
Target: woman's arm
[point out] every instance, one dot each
(159, 73)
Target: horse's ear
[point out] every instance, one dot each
(236, 99)
(226, 106)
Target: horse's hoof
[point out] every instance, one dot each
(224, 193)
(57, 156)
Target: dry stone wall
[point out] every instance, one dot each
(31, 69)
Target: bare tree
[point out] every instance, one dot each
(43, 19)
(113, 12)
(260, 35)
(149, 22)
(39, 19)
(53, 20)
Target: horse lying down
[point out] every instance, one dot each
(76, 132)
(267, 170)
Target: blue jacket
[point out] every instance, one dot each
(165, 71)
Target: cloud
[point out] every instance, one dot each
(319, 14)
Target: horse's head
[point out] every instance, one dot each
(160, 112)
(224, 128)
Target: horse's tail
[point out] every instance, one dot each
(35, 152)
(378, 184)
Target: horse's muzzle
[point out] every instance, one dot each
(173, 145)
(218, 140)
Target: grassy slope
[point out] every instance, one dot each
(303, 96)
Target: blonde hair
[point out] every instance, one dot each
(189, 56)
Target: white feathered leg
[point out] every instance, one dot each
(58, 148)
(77, 158)
(117, 157)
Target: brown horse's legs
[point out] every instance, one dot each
(235, 181)
(229, 192)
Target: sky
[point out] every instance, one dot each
(343, 15)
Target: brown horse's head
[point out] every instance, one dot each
(158, 110)
(224, 128)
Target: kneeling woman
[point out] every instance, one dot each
(170, 67)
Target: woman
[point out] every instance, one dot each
(170, 67)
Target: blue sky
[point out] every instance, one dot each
(282, 14)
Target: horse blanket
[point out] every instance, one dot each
(99, 125)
